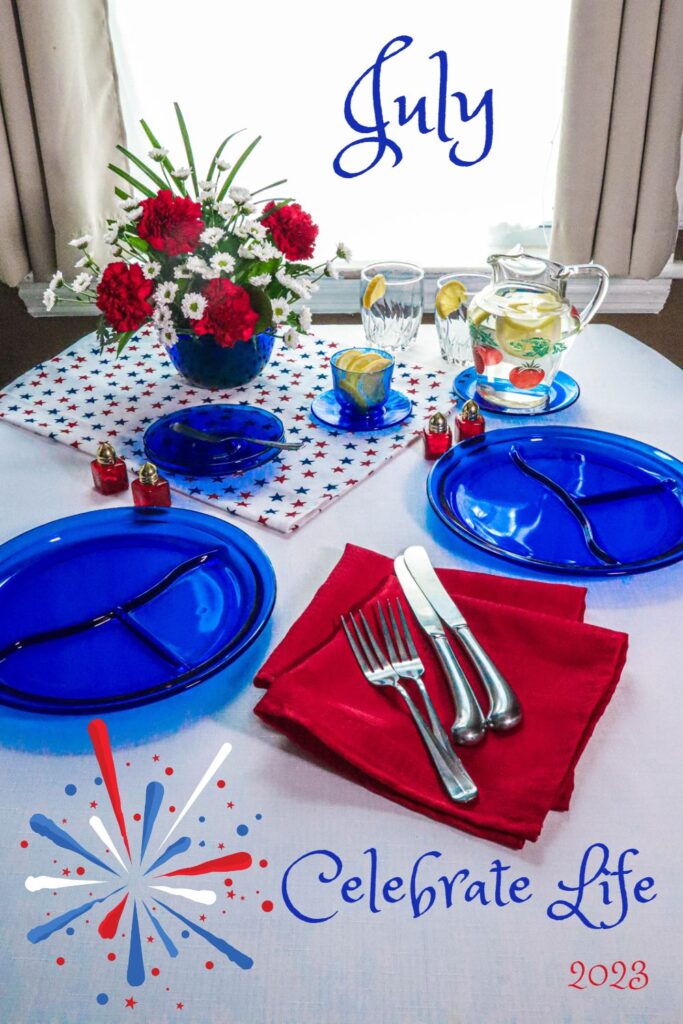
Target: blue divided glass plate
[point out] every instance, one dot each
(178, 453)
(116, 608)
(563, 499)
(564, 391)
(327, 410)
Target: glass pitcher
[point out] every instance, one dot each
(522, 324)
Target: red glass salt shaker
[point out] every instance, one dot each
(437, 435)
(109, 473)
(150, 488)
(469, 422)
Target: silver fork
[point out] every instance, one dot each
(407, 664)
(377, 670)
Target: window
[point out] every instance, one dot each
(284, 71)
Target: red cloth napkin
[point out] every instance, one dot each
(563, 671)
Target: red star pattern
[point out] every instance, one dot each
(131, 1003)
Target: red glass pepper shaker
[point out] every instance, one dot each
(469, 422)
(437, 435)
(109, 473)
(150, 488)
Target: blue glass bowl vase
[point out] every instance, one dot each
(206, 364)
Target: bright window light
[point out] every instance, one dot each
(284, 71)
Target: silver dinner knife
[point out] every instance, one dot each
(505, 711)
(469, 724)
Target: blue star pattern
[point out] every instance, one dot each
(81, 398)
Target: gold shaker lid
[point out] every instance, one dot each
(437, 423)
(106, 456)
(148, 473)
(470, 410)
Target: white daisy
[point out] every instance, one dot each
(291, 338)
(268, 251)
(223, 262)
(223, 165)
(246, 252)
(81, 243)
(211, 236)
(168, 335)
(227, 210)
(135, 213)
(151, 270)
(281, 310)
(343, 251)
(81, 282)
(158, 154)
(181, 273)
(239, 195)
(162, 318)
(331, 270)
(260, 280)
(165, 293)
(240, 231)
(256, 230)
(197, 265)
(49, 299)
(207, 190)
(83, 262)
(181, 173)
(305, 319)
(248, 208)
(57, 280)
(193, 306)
(129, 204)
(112, 233)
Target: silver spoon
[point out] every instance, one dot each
(202, 435)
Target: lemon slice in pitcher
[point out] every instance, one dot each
(376, 288)
(530, 319)
(449, 298)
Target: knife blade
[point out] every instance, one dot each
(505, 711)
(469, 724)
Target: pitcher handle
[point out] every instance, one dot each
(588, 270)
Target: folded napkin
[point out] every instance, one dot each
(563, 671)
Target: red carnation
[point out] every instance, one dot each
(292, 230)
(171, 224)
(122, 296)
(228, 314)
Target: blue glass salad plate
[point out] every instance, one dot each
(115, 608)
(564, 391)
(563, 499)
(327, 410)
(177, 453)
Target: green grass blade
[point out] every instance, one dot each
(265, 188)
(142, 166)
(131, 181)
(188, 147)
(122, 341)
(166, 163)
(217, 154)
(278, 206)
(120, 194)
(238, 163)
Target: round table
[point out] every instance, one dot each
(471, 963)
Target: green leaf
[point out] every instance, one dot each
(122, 340)
(188, 147)
(165, 162)
(217, 154)
(121, 194)
(260, 303)
(131, 181)
(137, 243)
(265, 188)
(278, 206)
(143, 167)
(238, 163)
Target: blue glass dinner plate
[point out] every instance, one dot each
(178, 453)
(116, 608)
(563, 499)
(564, 391)
(327, 410)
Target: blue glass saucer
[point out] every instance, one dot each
(563, 499)
(178, 453)
(326, 410)
(564, 391)
(116, 608)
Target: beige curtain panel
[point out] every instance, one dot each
(621, 128)
(61, 121)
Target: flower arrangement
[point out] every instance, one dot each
(200, 256)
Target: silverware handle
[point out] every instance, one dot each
(454, 777)
(469, 724)
(505, 711)
(440, 733)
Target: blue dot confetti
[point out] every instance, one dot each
(202, 843)
(258, 817)
(103, 999)
(69, 931)
(202, 819)
(242, 830)
(70, 790)
(185, 934)
(98, 781)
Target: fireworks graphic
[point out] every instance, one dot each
(138, 878)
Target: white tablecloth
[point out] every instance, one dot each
(471, 963)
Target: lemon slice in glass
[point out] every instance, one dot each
(374, 291)
(449, 298)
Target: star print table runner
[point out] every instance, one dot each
(82, 398)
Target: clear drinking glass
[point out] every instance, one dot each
(391, 309)
(453, 331)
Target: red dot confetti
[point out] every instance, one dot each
(263, 863)
(111, 956)
(80, 871)
(209, 965)
(155, 972)
(171, 809)
(137, 817)
(169, 771)
(227, 881)
(60, 961)
(267, 905)
(23, 844)
(221, 783)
